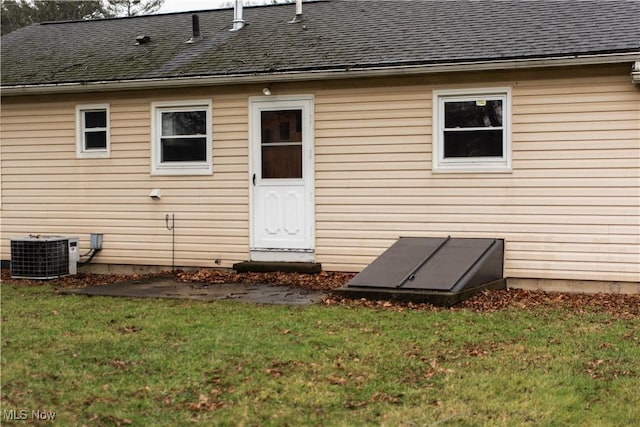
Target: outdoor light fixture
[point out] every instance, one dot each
(266, 91)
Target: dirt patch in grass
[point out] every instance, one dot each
(616, 305)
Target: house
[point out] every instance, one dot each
(324, 134)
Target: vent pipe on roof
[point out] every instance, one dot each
(299, 17)
(142, 40)
(195, 24)
(238, 21)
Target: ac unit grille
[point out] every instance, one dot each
(43, 257)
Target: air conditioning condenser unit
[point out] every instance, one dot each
(44, 257)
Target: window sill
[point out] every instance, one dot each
(94, 155)
(181, 172)
(467, 168)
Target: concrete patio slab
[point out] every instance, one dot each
(168, 287)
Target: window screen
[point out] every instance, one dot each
(183, 137)
(281, 144)
(95, 129)
(471, 130)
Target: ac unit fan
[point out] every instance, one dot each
(44, 257)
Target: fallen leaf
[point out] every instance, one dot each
(617, 306)
(335, 380)
(118, 363)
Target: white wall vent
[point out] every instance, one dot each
(44, 257)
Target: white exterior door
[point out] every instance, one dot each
(281, 179)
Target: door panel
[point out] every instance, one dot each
(282, 175)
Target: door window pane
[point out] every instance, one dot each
(282, 161)
(281, 133)
(281, 126)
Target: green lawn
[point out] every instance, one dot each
(106, 361)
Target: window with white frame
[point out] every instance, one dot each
(92, 124)
(181, 138)
(472, 130)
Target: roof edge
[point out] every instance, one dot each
(328, 74)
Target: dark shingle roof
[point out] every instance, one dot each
(336, 35)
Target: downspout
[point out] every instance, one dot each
(238, 21)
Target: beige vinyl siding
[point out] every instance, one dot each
(47, 190)
(570, 208)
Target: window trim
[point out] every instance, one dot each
(81, 150)
(472, 164)
(180, 168)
